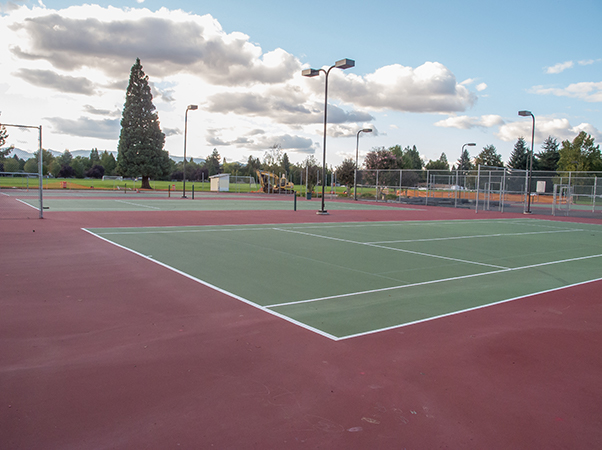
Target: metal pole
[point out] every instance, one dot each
(184, 172)
(478, 181)
(323, 211)
(40, 171)
(530, 166)
(188, 108)
(357, 147)
(594, 196)
(41, 177)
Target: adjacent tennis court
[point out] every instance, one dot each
(343, 280)
(213, 203)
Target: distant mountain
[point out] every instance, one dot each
(25, 155)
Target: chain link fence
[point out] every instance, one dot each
(577, 194)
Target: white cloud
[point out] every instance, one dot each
(560, 67)
(101, 129)
(589, 62)
(431, 87)
(168, 42)
(559, 128)
(481, 87)
(588, 90)
(466, 122)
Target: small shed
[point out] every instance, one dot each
(220, 182)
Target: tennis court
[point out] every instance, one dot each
(87, 203)
(247, 322)
(344, 280)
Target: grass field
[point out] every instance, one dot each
(344, 280)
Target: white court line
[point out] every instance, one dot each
(37, 208)
(137, 204)
(197, 230)
(442, 280)
(321, 332)
(218, 289)
(393, 249)
(451, 238)
(474, 308)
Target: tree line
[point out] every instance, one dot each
(141, 154)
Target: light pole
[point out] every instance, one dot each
(526, 114)
(40, 165)
(357, 146)
(190, 107)
(342, 64)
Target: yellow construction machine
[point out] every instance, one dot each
(272, 184)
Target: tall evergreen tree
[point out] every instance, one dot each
(94, 156)
(489, 157)
(140, 151)
(519, 158)
(212, 163)
(107, 160)
(464, 163)
(548, 158)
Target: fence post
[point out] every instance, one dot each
(476, 209)
(594, 196)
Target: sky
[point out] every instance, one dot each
(435, 74)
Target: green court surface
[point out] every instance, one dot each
(131, 203)
(347, 279)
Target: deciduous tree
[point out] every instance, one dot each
(581, 154)
(489, 157)
(346, 171)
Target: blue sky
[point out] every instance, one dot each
(435, 74)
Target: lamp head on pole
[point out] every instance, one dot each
(344, 63)
(471, 144)
(310, 72)
(525, 113)
(367, 130)
(192, 107)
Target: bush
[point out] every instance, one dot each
(96, 171)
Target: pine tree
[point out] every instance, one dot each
(548, 158)
(140, 150)
(464, 163)
(519, 158)
(212, 163)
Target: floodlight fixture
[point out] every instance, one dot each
(344, 63)
(310, 72)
